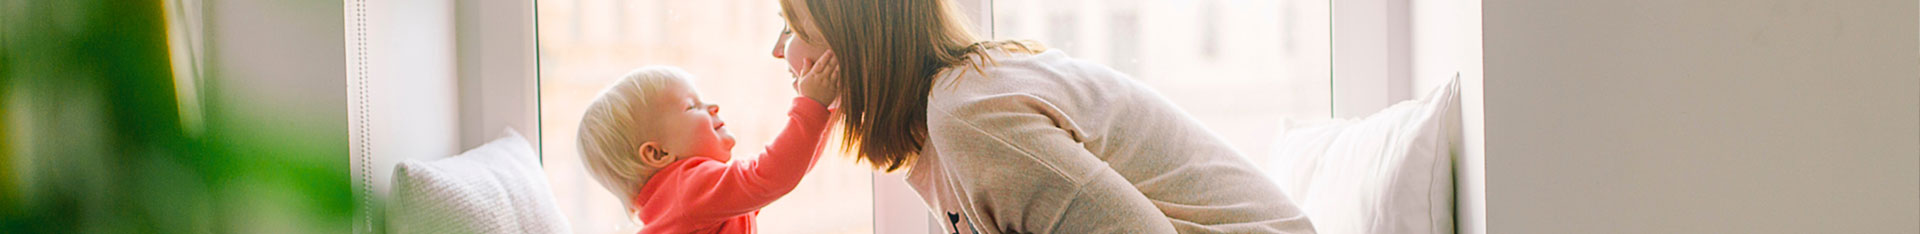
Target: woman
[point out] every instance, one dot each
(1011, 137)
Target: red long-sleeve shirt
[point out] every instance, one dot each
(702, 195)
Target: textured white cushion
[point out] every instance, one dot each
(495, 188)
(1390, 172)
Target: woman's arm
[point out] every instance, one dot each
(1022, 170)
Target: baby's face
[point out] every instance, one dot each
(689, 127)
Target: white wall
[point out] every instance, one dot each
(275, 71)
(495, 57)
(1658, 116)
(412, 90)
(278, 56)
(1446, 42)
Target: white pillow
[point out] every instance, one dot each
(495, 188)
(1390, 172)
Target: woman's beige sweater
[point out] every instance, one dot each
(1044, 143)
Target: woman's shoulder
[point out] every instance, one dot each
(988, 73)
(1003, 71)
(1052, 75)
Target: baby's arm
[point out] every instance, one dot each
(747, 185)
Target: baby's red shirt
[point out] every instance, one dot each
(702, 195)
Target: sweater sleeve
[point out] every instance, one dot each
(1021, 169)
(747, 185)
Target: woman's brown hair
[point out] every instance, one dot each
(891, 50)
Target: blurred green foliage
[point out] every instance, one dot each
(91, 138)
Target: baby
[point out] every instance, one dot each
(651, 141)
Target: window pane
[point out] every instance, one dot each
(586, 44)
(1239, 66)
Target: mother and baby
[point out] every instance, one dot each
(996, 136)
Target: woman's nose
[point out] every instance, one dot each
(780, 47)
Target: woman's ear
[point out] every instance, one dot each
(653, 156)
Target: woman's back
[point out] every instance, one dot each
(1046, 143)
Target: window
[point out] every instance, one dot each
(585, 44)
(1238, 66)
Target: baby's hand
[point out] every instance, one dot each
(820, 82)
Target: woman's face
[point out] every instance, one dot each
(799, 53)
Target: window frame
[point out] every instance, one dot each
(1371, 55)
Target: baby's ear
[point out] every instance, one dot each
(653, 156)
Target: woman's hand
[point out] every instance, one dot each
(821, 81)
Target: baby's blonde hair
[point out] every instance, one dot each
(616, 124)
